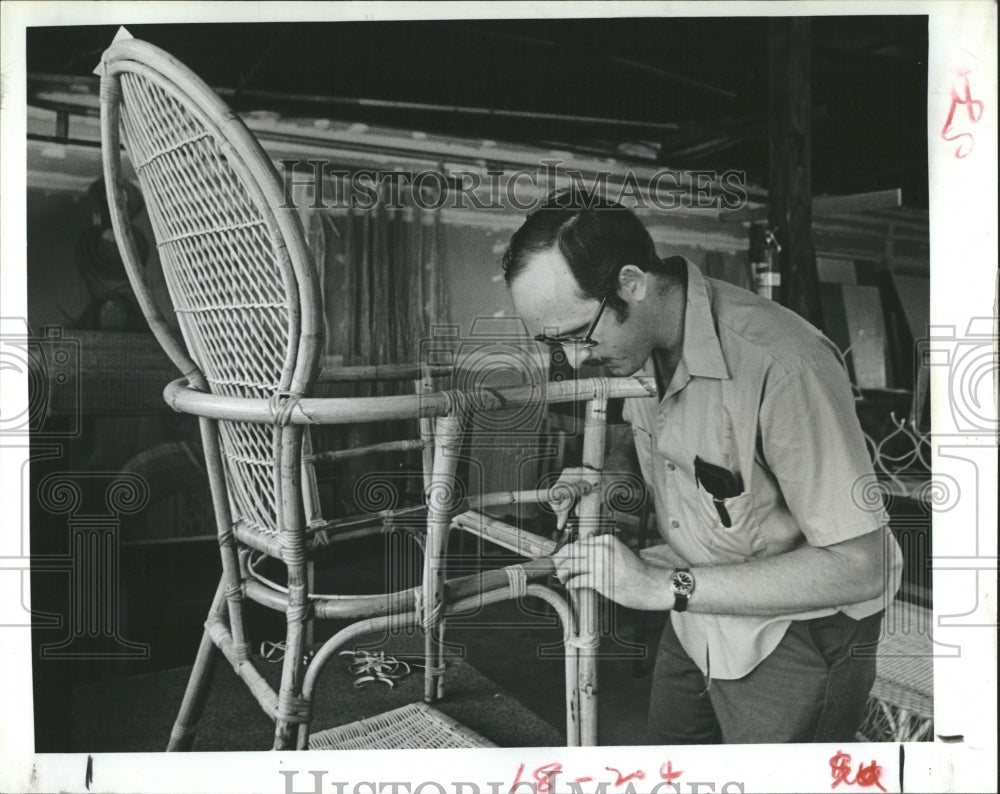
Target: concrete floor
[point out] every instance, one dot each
(509, 655)
(169, 589)
(507, 642)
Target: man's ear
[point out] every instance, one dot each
(633, 283)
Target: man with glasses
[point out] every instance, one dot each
(773, 566)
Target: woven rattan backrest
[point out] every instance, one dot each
(235, 263)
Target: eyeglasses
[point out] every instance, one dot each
(578, 342)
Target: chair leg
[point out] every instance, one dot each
(440, 498)
(186, 725)
(310, 625)
(293, 708)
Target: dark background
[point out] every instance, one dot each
(692, 92)
(681, 93)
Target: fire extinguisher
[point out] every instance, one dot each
(765, 262)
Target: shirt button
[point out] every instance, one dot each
(675, 524)
(671, 467)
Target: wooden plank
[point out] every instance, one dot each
(857, 202)
(866, 330)
(826, 206)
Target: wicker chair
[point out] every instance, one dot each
(246, 297)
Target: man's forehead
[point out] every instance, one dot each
(548, 266)
(547, 295)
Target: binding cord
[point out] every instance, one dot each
(518, 579)
(280, 405)
(583, 643)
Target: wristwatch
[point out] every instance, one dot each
(682, 586)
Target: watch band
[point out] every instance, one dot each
(682, 586)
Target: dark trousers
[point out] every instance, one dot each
(809, 689)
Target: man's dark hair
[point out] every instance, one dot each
(596, 236)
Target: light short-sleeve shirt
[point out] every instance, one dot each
(763, 393)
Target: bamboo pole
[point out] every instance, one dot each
(122, 226)
(383, 622)
(590, 512)
(224, 527)
(340, 410)
(256, 683)
(319, 536)
(290, 703)
(556, 492)
(341, 607)
(312, 514)
(310, 484)
(196, 693)
(439, 508)
(505, 535)
(384, 446)
(423, 386)
(257, 176)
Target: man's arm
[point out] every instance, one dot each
(815, 448)
(662, 556)
(808, 577)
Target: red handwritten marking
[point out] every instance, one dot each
(840, 768)
(870, 775)
(517, 777)
(543, 776)
(621, 779)
(667, 772)
(543, 781)
(974, 109)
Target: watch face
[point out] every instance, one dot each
(682, 582)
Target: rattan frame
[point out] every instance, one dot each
(285, 408)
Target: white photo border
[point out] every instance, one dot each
(963, 212)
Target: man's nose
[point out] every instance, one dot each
(576, 356)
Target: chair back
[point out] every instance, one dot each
(235, 262)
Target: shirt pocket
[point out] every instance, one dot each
(737, 543)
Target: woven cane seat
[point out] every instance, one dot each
(416, 726)
(907, 681)
(901, 704)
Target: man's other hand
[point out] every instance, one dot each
(605, 564)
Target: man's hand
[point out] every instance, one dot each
(566, 492)
(607, 565)
(621, 490)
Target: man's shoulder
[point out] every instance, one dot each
(759, 331)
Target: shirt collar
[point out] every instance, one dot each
(701, 353)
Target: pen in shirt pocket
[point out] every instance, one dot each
(721, 483)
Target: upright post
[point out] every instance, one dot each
(440, 504)
(789, 171)
(591, 515)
